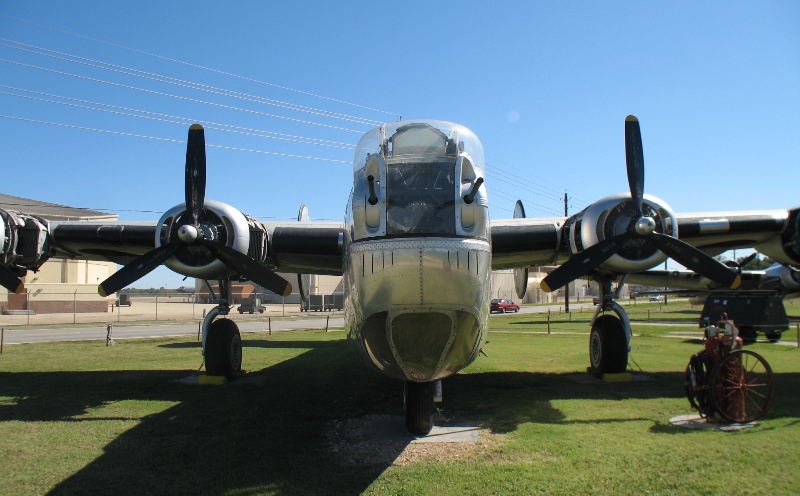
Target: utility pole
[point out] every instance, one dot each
(566, 288)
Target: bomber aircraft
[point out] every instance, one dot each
(416, 250)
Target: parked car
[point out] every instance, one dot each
(657, 298)
(501, 305)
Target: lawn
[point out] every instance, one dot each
(83, 418)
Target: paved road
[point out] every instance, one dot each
(88, 333)
(19, 336)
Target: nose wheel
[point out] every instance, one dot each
(419, 407)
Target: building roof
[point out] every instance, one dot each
(51, 211)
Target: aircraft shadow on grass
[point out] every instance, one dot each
(272, 434)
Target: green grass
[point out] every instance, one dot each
(81, 418)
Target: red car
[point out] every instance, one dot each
(501, 305)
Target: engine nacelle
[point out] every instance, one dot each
(786, 247)
(611, 216)
(221, 222)
(24, 243)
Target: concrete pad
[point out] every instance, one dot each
(215, 380)
(392, 429)
(442, 434)
(212, 379)
(695, 421)
(593, 379)
(623, 377)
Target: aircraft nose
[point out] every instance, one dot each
(420, 341)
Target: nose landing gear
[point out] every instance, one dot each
(419, 407)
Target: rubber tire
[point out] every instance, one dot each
(773, 336)
(516, 310)
(748, 334)
(608, 348)
(224, 349)
(419, 407)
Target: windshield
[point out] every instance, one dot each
(420, 197)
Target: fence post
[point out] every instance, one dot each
(2, 339)
(797, 327)
(74, 306)
(548, 321)
(156, 306)
(199, 326)
(28, 305)
(327, 321)
(269, 319)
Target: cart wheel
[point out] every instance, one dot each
(742, 386)
(697, 374)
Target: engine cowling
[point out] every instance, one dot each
(223, 223)
(611, 216)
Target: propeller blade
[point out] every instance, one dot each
(634, 159)
(137, 269)
(249, 268)
(195, 171)
(581, 263)
(696, 260)
(747, 260)
(10, 281)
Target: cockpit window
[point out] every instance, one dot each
(420, 197)
(418, 138)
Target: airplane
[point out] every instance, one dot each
(778, 277)
(415, 249)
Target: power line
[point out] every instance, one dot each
(171, 140)
(286, 88)
(556, 192)
(229, 107)
(185, 84)
(225, 127)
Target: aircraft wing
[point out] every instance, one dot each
(777, 277)
(293, 247)
(524, 242)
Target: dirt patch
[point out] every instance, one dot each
(383, 440)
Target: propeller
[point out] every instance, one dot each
(641, 226)
(194, 233)
(10, 281)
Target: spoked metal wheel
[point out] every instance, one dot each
(697, 375)
(742, 386)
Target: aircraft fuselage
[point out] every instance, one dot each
(417, 258)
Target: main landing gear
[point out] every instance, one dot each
(222, 343)
(609, 342)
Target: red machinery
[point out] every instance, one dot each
(726, 380)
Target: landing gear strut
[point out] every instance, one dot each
(609, 342)
(419, 407)
(222, 343)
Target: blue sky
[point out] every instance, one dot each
(545, 86)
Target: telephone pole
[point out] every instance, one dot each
(566, 288)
